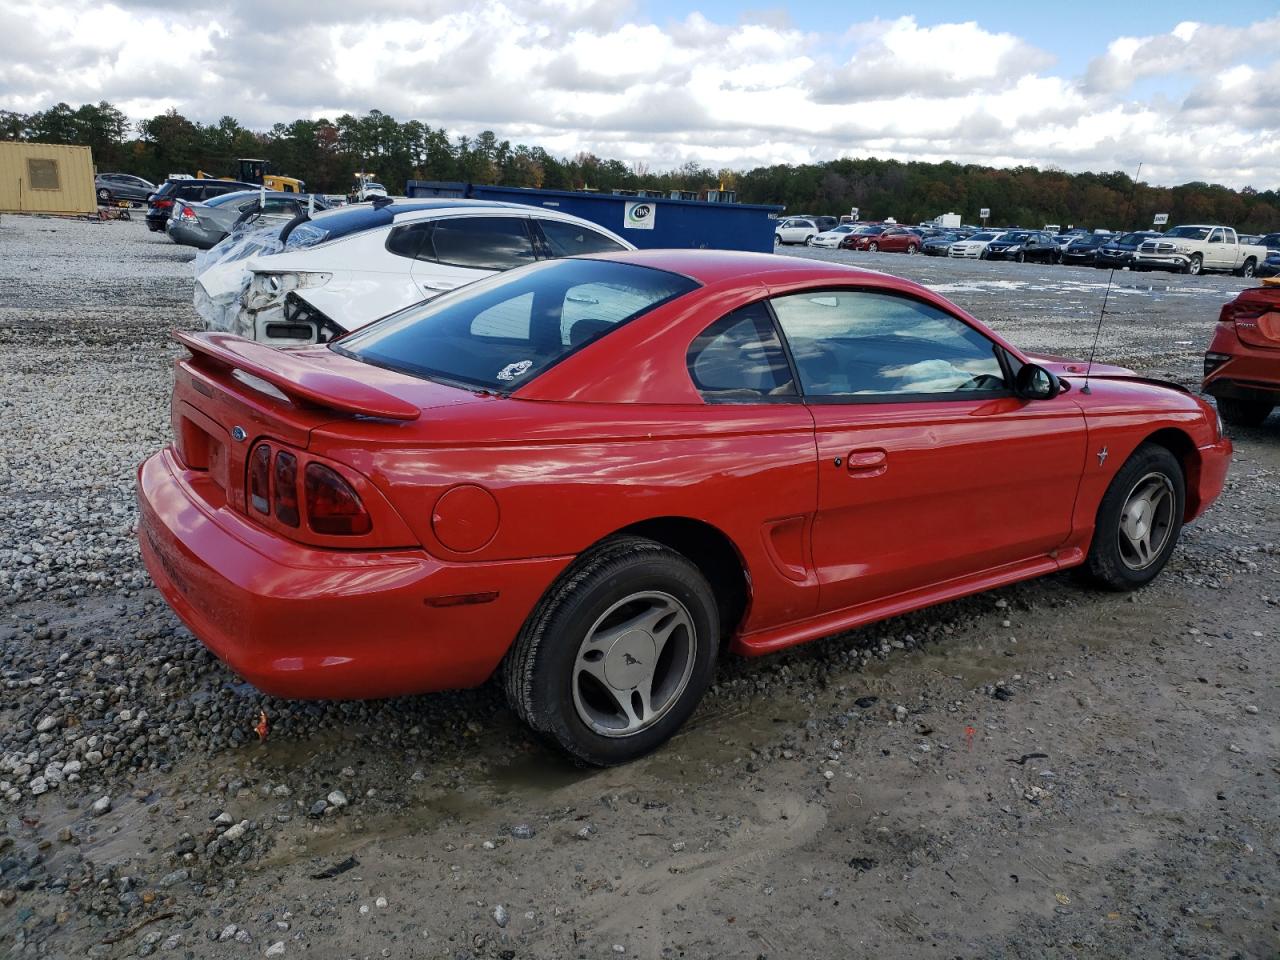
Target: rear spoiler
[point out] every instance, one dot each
(296, 377)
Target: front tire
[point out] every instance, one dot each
(912, 249)
(873, 247)
(1196, 265)
(617, 654)
(104, 195)
(1138, 521)
(1244, 413)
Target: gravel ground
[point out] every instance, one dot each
(1042, 771)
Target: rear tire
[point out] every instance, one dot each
(1248, 270)
(1021, 258)
(873, 247)
(1138, 522)
(1244, 413)
(567, 674)
(104, 195)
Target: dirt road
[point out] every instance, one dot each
(1044, 771)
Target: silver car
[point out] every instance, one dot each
(202, 225)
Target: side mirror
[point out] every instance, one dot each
(1033, 382)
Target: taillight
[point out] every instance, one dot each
(162, 204)
(1231, 312)
(286, 488)
(260, 478)
(1212, 361)
(186, 214)
(332, 506)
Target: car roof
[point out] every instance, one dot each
(357, 217)
(709, 267)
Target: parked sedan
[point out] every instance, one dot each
(1083, 249)
(1242, 364)
(939, 245)
(1270, 267)
(974, 247)
(202, 225)
(1118, 252)
(833, 237)
(887, 238)
(1023, 245)
(346, 268)
(484, 485)
(111, 187)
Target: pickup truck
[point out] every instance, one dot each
(1196, 249)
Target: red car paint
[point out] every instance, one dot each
(1243, 360)
(838, 514)
(890, 239)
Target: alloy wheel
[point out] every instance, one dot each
(1146, 521)
(634, 663)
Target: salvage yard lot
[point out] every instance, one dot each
(1042, 771)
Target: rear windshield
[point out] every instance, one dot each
(498, 334)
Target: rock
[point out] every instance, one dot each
(228, 933)
(677, 846)
(173, 879)
(46, 724)
(500, 915)
(380, 902)
(337, 799)
(900, 713)
(275, 950)
(100, 806)
(317, 809)
(236, 831)
(522, 831)
(1250, 708)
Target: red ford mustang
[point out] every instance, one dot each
(592, 473)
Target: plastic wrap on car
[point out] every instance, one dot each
(220, 311)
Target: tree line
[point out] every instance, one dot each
(326, 154)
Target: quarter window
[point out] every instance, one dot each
(482, 243)
(859, 344)
(738, 359)
(571, 239)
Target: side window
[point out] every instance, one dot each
(279, 205)
(483, 243)
(862, 345)
(1217, 236)
(570, 239)
(738, 359)
(406, 241)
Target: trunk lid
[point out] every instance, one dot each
(1255, 314)
(231, 393)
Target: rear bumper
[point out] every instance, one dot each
(309, 623)
(189, 236)
(1248, 373)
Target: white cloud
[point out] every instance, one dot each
(595, 75)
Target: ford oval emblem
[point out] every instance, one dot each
(238, 434)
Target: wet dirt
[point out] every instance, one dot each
(1041, 771)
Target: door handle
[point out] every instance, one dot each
(441, 285)
(867, 463)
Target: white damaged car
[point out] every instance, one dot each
(315, 279)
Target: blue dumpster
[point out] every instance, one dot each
(647, 222)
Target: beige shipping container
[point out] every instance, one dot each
(46, 178)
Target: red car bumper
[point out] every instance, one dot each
(1206, 486)
(301, 622)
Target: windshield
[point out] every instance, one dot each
(1015, 236)
(844, 229)
(984, 236)
(499, 334)
(1131, 239)
(1189, 233)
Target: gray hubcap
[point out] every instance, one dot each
(1146, 522)
(634, 663)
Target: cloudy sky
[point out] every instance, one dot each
(1091, 85)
